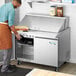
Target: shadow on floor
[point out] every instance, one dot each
(18, 72)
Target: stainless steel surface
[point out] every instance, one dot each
(50, 47)
(64, 47)
(45, 22)
(34, 33)
(46, 51)
(25, 50)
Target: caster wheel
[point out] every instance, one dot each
(18, 62)
(65, 62)
(56, 69)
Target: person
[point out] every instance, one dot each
(7, 15)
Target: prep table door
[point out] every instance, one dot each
(46, 51)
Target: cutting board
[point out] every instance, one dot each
(40, 72)
(23, 28)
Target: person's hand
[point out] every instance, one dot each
(18, 36)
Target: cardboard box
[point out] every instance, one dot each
(40, 72)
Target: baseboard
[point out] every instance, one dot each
(72, 61)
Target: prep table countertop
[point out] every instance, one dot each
(40, 33)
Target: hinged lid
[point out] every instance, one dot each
(45, 22)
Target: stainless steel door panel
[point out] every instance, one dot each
(46, 51)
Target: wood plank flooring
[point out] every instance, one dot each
(68, 68)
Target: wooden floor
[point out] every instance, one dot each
(68, 68)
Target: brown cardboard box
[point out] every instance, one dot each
(40, 72)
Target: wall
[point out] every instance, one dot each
(69, 10)
(25, 8)
(2, 2)
(6, 1)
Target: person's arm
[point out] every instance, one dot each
(15, 32)
(13, 29)
(11, 17)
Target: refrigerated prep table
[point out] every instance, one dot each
(47, 42)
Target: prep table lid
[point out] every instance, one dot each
(44, 22)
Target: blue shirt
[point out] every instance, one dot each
(7, 12)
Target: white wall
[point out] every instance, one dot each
(2, 2)
(25, 8)
(69, 10)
